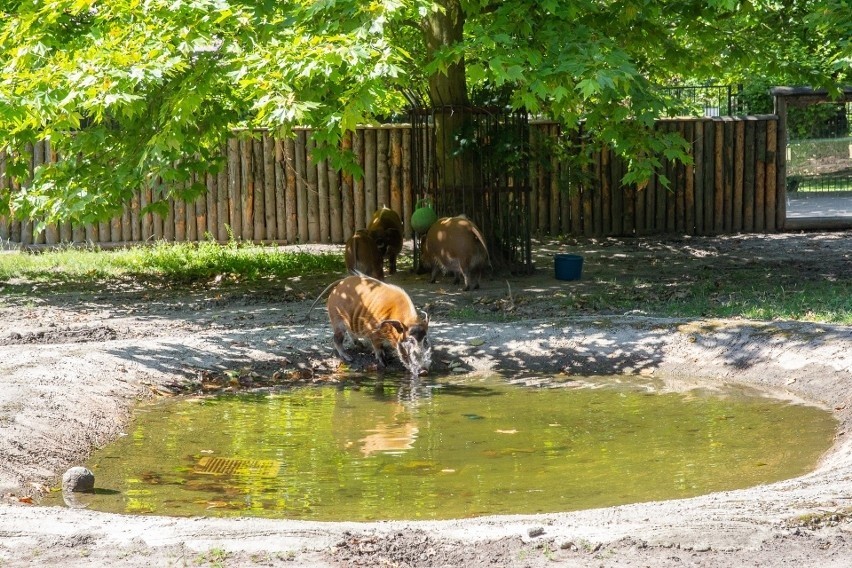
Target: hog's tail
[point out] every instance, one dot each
(321, 294)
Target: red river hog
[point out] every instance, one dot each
(455, 244)
(362, 254)
(383, 313)
(386, 229)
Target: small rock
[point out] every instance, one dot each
(535, 531)
(78, 479)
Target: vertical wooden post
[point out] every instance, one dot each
(557, 196)
(760, 176)
(200, 179)
(178, 218)
(290, 192)
(158, 222)
(301, 187)
(234, 200)
(212, 197)
(258, 186)
(395, 149)
(618, 195)
(781, 160)
(672, 200)
(535, 137)
(280, 191)
(748, 176)
(51, 232)
(606, 192)
(728, 165)
(772, 196)
(247, 189)
(28, 236)
(597, 196)
(383, 197)
(370, 182)
(311, 188)
(191, 228)
(169, 222)
(358, 181)
(222, 209)
(115, 226)
(567, 183)
(270, 208)
(334, 204)
(324, 202)
(739, 141)
(15, 226)
(688, 131)
(719, 179)
(709, 175)
(407, 186)
(346, 190)
(146, 229)
(639, 204)
(698, 158)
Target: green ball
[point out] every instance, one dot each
(422, 219)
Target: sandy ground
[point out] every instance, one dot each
(72, 365)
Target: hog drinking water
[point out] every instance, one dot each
(383, 313)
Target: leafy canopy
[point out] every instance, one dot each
(129, 92)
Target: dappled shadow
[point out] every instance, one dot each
(599, 324)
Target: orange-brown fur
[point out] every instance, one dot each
(362, 254)
(383, 313)
(455, 244)
(386, 229)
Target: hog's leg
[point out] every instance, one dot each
(339, 336)
(379, 350)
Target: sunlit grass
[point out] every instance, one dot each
(750, 294)
(173, 262)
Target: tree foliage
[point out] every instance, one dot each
(132, 91)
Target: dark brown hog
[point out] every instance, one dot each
(362, 254)
(383, 313)
(386, 229)
(455, 244)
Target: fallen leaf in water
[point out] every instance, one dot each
(477, 342)
(506, 431)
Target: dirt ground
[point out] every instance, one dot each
(74, 362)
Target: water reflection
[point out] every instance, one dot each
(455, 447)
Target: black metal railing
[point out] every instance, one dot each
(706, 100)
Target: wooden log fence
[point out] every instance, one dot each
(272, 191)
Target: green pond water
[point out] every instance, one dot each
(455, 448)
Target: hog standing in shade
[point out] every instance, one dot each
(386, 229)
(455, 244)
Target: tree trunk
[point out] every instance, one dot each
(444, 28)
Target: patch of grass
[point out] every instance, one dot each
(214, 557)
(752, 294)
(174, 262)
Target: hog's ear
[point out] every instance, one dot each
(396, 324)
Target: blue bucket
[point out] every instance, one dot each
(568, 266)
